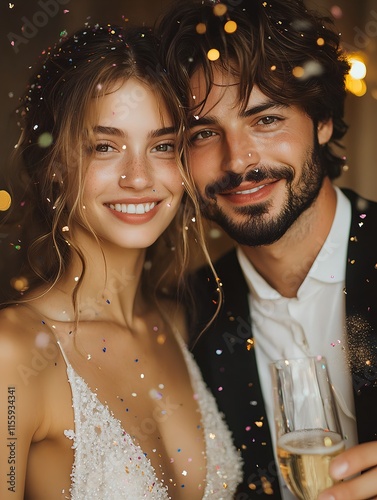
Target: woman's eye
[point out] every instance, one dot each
(104, 148)
(164, 148)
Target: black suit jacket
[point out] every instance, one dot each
(226, 356)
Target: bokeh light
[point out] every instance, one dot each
(201, 28)
(5, 200)
(220, 9)
(230, 27)
(19, 283)
(358, 68)
(355, 79)
(213, 54)
(45, 140)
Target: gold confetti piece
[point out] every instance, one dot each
(249, 344)
(327, 441)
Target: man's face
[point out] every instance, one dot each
(256, 170)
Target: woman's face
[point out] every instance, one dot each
(133, 186)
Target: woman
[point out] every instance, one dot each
(104, 401)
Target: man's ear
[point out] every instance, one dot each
(324, 131)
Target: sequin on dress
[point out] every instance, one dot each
(108, 465)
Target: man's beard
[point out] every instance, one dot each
(257, 228)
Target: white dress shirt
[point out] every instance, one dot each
(311, 324)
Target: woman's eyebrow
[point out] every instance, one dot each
(101, 129)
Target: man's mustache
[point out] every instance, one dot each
(232, 180)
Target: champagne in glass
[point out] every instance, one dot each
(308, 431)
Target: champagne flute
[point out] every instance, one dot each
(308, 431)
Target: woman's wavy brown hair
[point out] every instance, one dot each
(55, 148)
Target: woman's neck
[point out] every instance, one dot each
(108, 284)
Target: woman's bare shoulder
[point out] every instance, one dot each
(23, 336)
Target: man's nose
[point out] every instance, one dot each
(240, 152)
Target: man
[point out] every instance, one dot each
(263, 84)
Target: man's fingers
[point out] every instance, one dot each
(354, 460)
(360, 488)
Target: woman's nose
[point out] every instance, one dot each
(136, 173)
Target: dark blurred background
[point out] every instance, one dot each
(27, 27)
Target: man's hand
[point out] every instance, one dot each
(349, 463)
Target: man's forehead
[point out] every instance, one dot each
(220, 78)
(224, 91)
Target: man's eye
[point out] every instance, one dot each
(268, 120)
(203, 134)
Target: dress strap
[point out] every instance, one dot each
(63, 353)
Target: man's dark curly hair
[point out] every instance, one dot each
(273, 39)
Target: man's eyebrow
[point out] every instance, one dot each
(260, 108)
(196, 120)
(101, 129)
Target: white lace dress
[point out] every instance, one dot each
(109, 466)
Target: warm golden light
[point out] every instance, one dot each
(201, 28)
(220, 9)
(19, 283)
(230, 27)
(5, 200)
(356, 87)
(298, 72)
(358, 69)
(213, 54)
